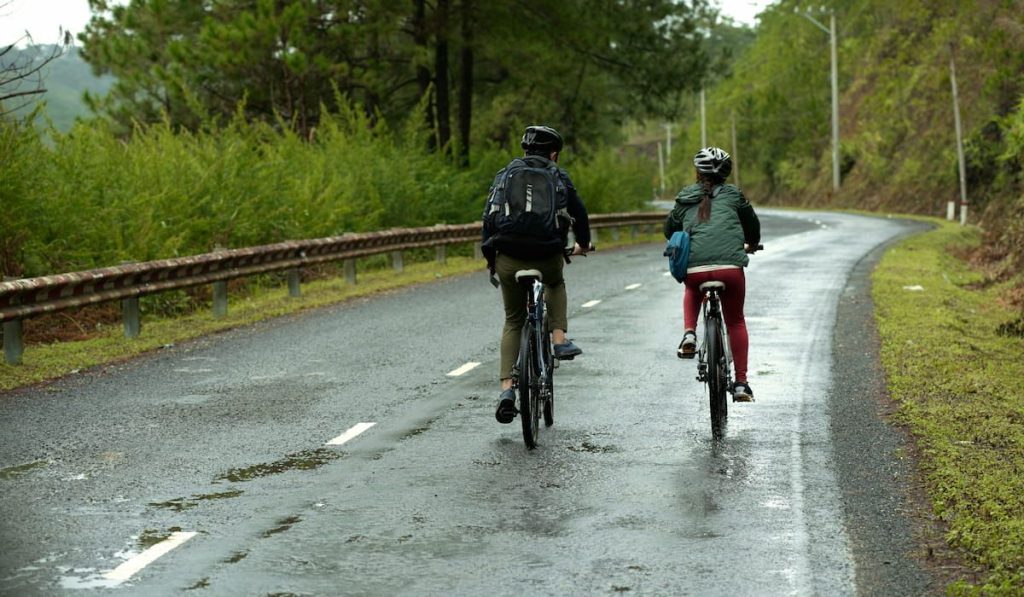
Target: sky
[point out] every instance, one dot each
(44, 18)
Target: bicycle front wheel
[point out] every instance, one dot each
(549, 383)
(717, 377)
(529, 389)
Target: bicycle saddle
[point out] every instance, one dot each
(528, 275)
(706, 286)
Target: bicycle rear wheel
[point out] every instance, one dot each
(717, 377)
(529, 389)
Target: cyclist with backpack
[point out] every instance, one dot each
(723, 228)
(531, 205)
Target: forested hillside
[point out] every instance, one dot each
(240, 123)
(898, 144)
(64, 80)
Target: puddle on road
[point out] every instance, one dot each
(283, 525)
(592, 448)
(413, 433)
(236, 557)
(182, 504)
(151, 537)
(13, 472)
(305, 460)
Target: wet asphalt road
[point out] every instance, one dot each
(227, 438)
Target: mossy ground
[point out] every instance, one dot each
(957, 380)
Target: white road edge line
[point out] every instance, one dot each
(463, 369)
(633, 286)
(128, 568)
(590, 304)
(351, 433)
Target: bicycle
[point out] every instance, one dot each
(714, 356)
(533, 372)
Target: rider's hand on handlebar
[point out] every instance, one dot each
(578, 250)
(749, 249)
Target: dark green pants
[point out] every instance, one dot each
(514, 297)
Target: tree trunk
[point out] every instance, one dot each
(466, 82)
(421, 40)
(444, 130)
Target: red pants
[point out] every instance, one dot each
(732, 309)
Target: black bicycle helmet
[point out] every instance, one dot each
(712, 160)
(541, 138)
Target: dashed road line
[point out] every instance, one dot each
(666, 274)
(351, 433)
(633, 286)
(463, 369)
(128, 568)
(590, 304)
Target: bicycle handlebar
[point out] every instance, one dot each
(567, 252)
(493, 278)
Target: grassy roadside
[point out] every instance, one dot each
(957, 380)
(43, 362)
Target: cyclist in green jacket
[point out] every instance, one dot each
(723, 229)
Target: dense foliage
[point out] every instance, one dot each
(898, 144)
(89, 199)
(487, 66)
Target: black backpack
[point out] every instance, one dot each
(528, 201)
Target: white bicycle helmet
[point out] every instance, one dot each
(713, 160)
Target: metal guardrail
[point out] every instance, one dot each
(30, 297)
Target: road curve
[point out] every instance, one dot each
(246, 463)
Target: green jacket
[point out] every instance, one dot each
(718, 241)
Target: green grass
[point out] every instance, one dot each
(958, 385)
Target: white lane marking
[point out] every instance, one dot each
(666, 274)
(633, 286)
(130, 567)
(351, 433)
(463, 369)
(590, 304)
(190, 370)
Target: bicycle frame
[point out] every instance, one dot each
(536, 318)
(534, 365)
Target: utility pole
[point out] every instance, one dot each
(661, 172)
(831, 31)
(668, 143)
(703, 121)
(735, 150)
(959, 148)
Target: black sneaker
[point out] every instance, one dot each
(741, 392)
(688, 347)
(506, 410)
(567, 351)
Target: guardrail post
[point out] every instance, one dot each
(615, 233)
(220, 298)
(293, 282)
(131, 316)
(594, 235)
(478, 251)
(396, 261)
(634, 231)
(220, 291)
(350, 271)
(13, 340)
(442, 254)
(13, 345)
